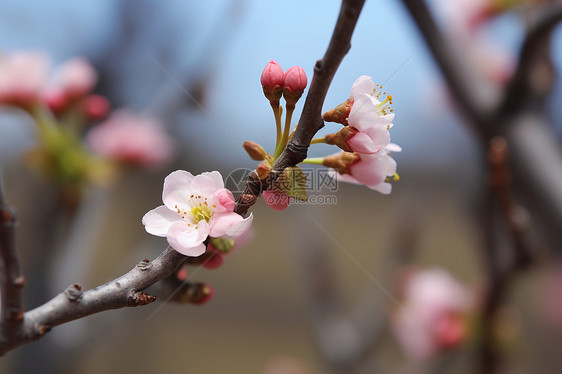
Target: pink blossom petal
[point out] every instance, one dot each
(240, 228)
(379, 135)
(222, 223)
(394, 147)
(384, 188)
(177, 189)
(362, 85)
(207, 183)
(223, 201)
(276, 200)
(363, 112)
(159, 220)
(369, 171)
(362, 143)
(188, 240)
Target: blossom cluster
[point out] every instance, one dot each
(79, 139)
(364, 139)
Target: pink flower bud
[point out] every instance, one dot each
(96, 107)
(56, 101)
(272, 76)
(295, 80)
(182, 275)
(276, 199)
(214, 259)
(223, 200)
(202, 294)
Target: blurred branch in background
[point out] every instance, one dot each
(535, 154)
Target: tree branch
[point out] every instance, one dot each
(11, 279)
(125, 291)
(529, 80)
(311, 118)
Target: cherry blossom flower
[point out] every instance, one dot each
(371, 170)
(367, 119)
(195, 207)
(23, 76)
(432, 317)
(130, 138)
(75, 78)
(366, 109)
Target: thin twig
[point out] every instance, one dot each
(526, 85)
(513, 215)
(11, 279)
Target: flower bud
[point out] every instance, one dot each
(272, 81)
(255, 151)
(341, 161)
(200, 293)
(278, 200)
(263, 169)
(56, 101)
(182, 274)
(294, 84)
(339, 114)
(96, 107)
(214, 259)
(221, 244)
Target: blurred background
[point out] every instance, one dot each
(195, 66)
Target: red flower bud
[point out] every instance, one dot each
(295, 80)
(294, 84)
(202, 293)
(96, 107)
(213, 259)
(272, 80)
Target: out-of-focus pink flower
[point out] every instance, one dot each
(462, 19)
(130, 138)
(277, 200)
(195, 207)
(431, 316)
(75, 79)
(23, 76)
(96, 107)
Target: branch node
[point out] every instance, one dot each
(142, 299)
(42, 330)
(16, 315)
(73, 292)
(144, 264)
(19, 282)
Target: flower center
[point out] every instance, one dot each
(201, 212)
(384, 107)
